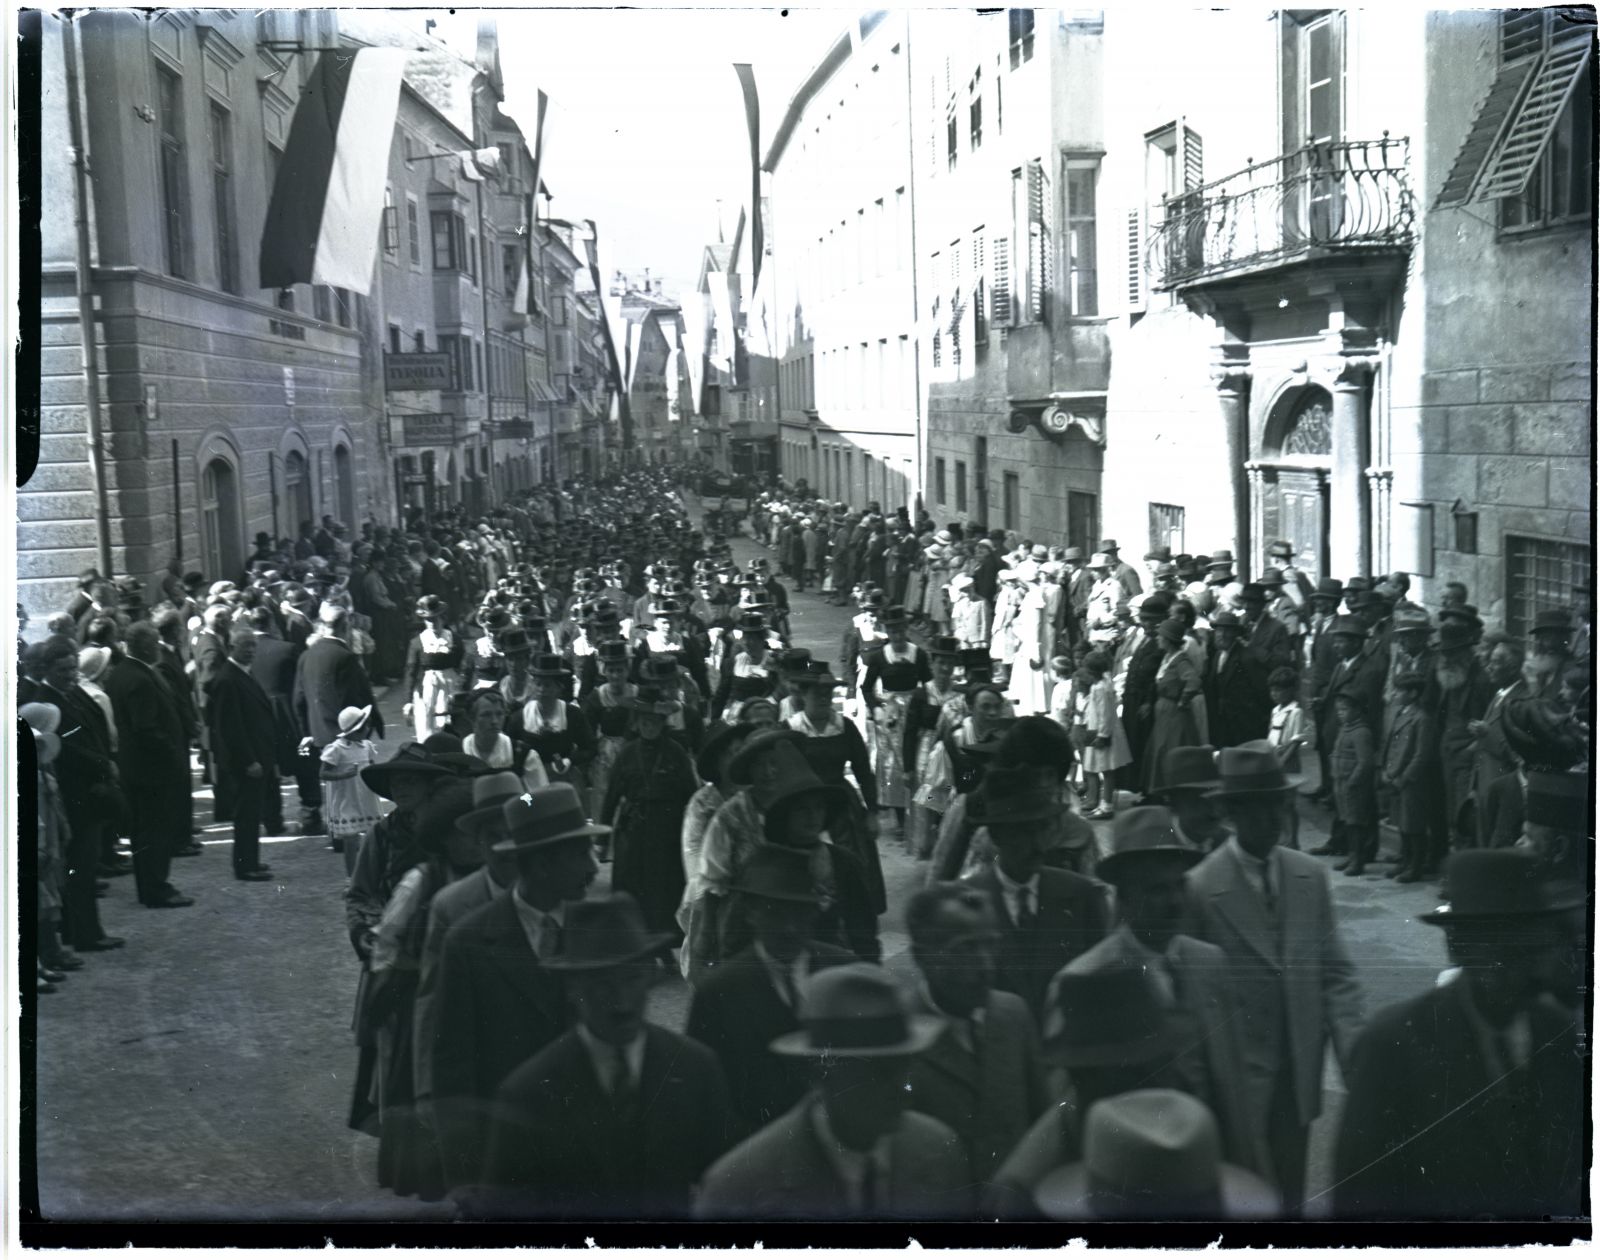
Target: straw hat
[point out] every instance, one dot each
(352, 718)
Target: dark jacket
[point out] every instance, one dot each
(328, 677)
(274, 668)
(1071, 916)
(496, 1009)
(1432, 1131)
(736, 1013)
(561, 1146)
(1238, 704)
(240, 718)
(151, 744)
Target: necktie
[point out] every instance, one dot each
(549, 937)
(1267, 891)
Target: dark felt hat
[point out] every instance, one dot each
(1143, 834)
(1487, 884)
(546, 815)
(1251, 769)
(857, 1011)
(410, 759)
(778, 872)
(1111, 1016)
(602, 932)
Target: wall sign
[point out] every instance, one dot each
(419, 371)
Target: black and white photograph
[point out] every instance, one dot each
(944, 627)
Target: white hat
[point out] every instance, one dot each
(92, 660)
(1099, 561)
(352, 719)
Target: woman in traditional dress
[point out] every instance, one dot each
(431, 666)
(408, 1154)
(517, 687)
(553, 726)
(648, 793)
(895, 669)
(489, 743)
(712, 768)
(610, 717)
(1177, 688)
(830, 745)
(920, 735)
(752, 670)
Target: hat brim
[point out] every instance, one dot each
(514, 845)
(1108, 868)
(922, 1031)
(366, 716)
(651, 944)
(1064, 1194)
(1290, 782)
(380, 778)
(1444, 915)
(470, 822)
(1194, 785)
(768, 894)
(1177, 1030)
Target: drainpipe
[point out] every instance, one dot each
(486, 438)
(916, 301)
(86, 297)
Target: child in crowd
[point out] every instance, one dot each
(1405, 769)
(1288, 734)
(1353, 764)
(351, 807)
(1106, 745)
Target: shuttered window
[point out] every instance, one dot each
(1135, 260)
(1081, 289)
(957, 304)
(1041, 242)
(980, 305)
(1002, 281)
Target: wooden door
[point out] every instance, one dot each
(1302, 496)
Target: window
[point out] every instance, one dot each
(285, 299)
(958, 305)
(343, 308)
(980, 295)
(472, 257)
(1166, 527)
(936, 268)
(1082, 290)
(413, 232)
(1466, 528)
(446, 244)
(961, 485)
(975, 110)
(389, 230)
(1011, 500)
(1541, 574)
(174, 184)
(222, 198)
(510, 267)
(1033, 213)
(322, 303)
(1021, 36)
(1083, 520)
(419, 341)
(1561, 186)
(477, 348)
(394, 338)
(950, 135)
(1321, 58)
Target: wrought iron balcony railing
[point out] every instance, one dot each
(1332, 196)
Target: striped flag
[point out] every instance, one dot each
(327, 201)
(525, 291)
(752, 117)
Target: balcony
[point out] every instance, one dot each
(1345, 200)
(1067, 356)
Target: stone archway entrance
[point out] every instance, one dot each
(1290, 482)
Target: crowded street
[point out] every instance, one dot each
(1008, 647)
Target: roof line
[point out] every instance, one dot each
(835, 57)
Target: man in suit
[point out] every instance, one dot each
(1047, 916)
(244, 747)
(153, 760)
(328, 678)
(617, 1117)
(208, 651)
(1354, 669)
(1492, 756)
(753, 997)
(1142, 652)
(1468, 1101)
(983, 1076)
(497, 1004)
(851, 1148)
(1147, 866)
(86, 773)
(1265, 637)
(169, 625)
(1320, 659)
(274, 669)
(1238, 704)
(454, 902)
(1464, 695)
(1270, 910)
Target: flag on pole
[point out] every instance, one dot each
(609, 330)
(327, 201)
(752, 116)
(694, 345)
(541, 116)
(722, 321)
(476, 163)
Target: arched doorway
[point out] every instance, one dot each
(1290, 501)
(344, 485)
(296, 493)
(221, 535)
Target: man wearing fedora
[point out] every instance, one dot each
(617, 1117)
(1468, 1101)
(1046, 916)
(851, 1148)
(1189, 774)
(1263, 636)
(1355, 672)
(244, 750)
(983, 1076)
(1238, 704)
(1125, 574)
(1320, 660)
(497, 1003)
(1147, 866)
(754, 997)
(1153, 1154)
(1270, 910)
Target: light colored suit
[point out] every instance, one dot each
(784, 1173)
(1294, 987)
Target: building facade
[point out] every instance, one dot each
(844, 344)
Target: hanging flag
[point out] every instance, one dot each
(476, 163)
(722, 321)
(635, 343)
(694, 346)
(752, 116)
(610, 330)
(327, 201)
(541, 114)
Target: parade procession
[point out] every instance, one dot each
(519, 728)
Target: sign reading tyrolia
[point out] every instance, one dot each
(418, 371)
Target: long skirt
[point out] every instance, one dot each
(600, 771)
(915, 583)
(647, 859)
(408, 1149)
(1171, 726)
(888, 729)
(922, 827)
(430, 703)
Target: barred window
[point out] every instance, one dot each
(1541, 574)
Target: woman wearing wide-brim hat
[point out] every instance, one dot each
(432, 664)
(553, 726)
(646, 797)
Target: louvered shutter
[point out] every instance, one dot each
(1136, 290)
(1486, 128)
(1193, 160)
(1511, 165)
(956, 304)
(980, 296)
(1002, 281)
(1041, 241)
